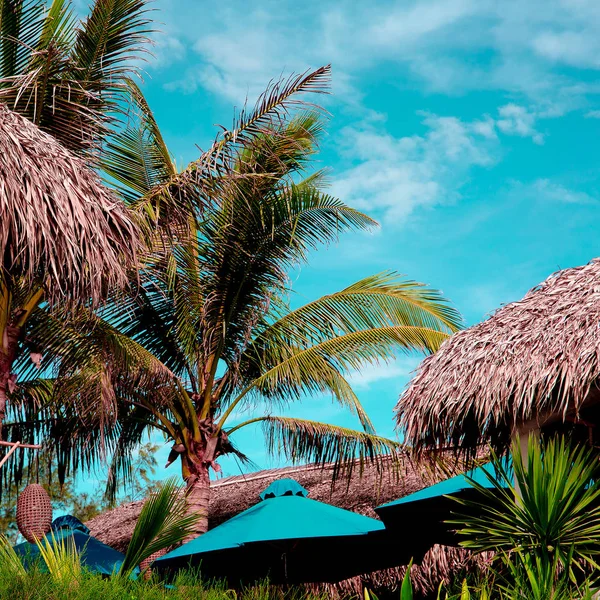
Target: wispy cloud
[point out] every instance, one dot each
(552, 190)
(517, 120)
(520, 48)
(369, 375)
(395, 176)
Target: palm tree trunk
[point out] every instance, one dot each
(198, 494)
(8, 353)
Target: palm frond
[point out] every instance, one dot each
(71, 80)
(111, 38)
(162, 523)
(301, 440)
(21, 23)
(134, 422)
(137, 157)
(206, 174)
(377, 301)
(347, 352)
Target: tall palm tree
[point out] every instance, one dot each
(210, 330)
(64, 236)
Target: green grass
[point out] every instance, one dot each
(86, 586)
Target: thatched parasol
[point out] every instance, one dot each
(534, 363)
(59, 225)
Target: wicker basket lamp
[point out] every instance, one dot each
(34, 512)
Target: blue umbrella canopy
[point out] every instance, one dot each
(290, 538)
(95, 556)
(427, 510)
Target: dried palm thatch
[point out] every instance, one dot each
(533, 363)
(60, 226)
(442, 564)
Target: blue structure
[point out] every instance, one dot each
(95, 556)
(427, 510)
(291, 539)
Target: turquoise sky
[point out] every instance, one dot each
(468, 128)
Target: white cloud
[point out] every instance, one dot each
(517, 120)
(399, 370)
(450, 46)
(551, 190)
(395, 176)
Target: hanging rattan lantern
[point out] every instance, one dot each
(34, 512)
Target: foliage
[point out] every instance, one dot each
(549, 507)
(66, 76)
(162, 523)
(61, 558)
(66, 498)
(542, 518)
(38, 585)
(213, 332)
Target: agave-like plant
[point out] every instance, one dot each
(543, 511)
(61, 557)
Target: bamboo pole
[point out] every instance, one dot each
(13, 446)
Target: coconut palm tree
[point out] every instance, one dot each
(64, 235)
(210, 330)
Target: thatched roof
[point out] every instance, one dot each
(442, 564)
(231, 495)
(60, 225)
(533, 362)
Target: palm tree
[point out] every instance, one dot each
(210, 329)
(64, 236)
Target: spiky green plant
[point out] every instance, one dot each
(10, 562)
(546, 504)
(163, 522)
(61, 557)
(541, 516)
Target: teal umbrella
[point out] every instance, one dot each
(424, 513)
(95, 556)
(290, 538)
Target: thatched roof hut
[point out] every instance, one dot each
(59, 225)
(534, 364)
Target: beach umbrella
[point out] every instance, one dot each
(290, 538)
(424, 513)
(95, 556)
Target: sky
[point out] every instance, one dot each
(468, 128)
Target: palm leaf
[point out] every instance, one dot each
(162, 523)
(348, 352)
(21, 23)
(206, 173)
(301, 440)
(137, 158)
